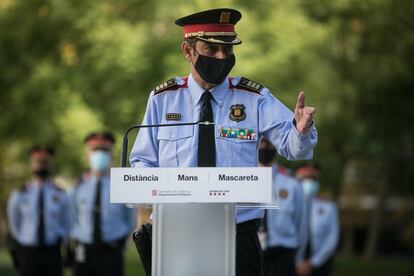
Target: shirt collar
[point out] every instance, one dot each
(197, 91)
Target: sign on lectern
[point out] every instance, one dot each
(194, 213)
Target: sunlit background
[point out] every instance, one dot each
(69, 67)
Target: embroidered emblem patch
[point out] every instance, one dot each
(237, 112)
(238, 133)
(283, 193)
(173, 116)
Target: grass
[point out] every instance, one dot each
(344, 266)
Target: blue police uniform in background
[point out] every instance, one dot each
(323, 234)
(100, 228)
(39, 219)
(117, 220)
(23, 212)
(243, 111)
(323, 225)
(286, 227)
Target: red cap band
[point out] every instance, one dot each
(208, 28)
(40, 153)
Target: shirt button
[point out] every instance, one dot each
(220, 103)
(172, 136)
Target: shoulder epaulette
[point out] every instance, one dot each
(168, 85)
(249, 85)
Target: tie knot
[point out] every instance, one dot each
(206, 97)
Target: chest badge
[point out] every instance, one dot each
(283, 193)
(237, 112)
(173, 116)
(321, 211)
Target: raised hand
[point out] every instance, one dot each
(303, 114)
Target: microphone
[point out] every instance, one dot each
(125, 140)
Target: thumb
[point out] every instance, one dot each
(300, 102)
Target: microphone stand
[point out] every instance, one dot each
(125, 140)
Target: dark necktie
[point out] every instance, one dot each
(308, 247)
(97, 236)
(206, 139)
(41, 227)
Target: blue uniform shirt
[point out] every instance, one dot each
(117, 221)
(287, 226)
(241, 116)
(23, 214)
(324, 230)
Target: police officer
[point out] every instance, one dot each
(100, 228)
(286, 227)
(323, 229)
(242, 111)
(39, 218)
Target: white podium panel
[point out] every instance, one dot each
(194, 213)
(193, 239)
(186, 185)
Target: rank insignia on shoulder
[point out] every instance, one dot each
(249, 85)
(164, 86)
(173, 116)
(237, 112)
(283, 193)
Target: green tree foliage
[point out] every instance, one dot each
(70, 67)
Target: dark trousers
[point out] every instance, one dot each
(323, 270)
(279, 261)
(40, 261)
(248, 249)
(101, 261)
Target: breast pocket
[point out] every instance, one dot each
(238, 145)
(174, 145)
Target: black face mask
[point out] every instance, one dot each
(266, 155)
(214, 70)
(42, 173)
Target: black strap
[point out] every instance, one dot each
(41, 226)
(97, 235)
(206, 139)
(248, 226)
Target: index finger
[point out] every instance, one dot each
(300, 102)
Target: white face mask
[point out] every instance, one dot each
(100, 160)
(310, 187)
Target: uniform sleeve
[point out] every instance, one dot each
(331, 240)
(276, 125)
(145, 150)
(13, 214)
(131, 214)
(301, 222)
(66, 217)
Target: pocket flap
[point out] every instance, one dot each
(175, 132)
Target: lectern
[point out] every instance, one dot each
(194, 213)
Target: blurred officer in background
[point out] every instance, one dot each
(242, 110)
(100, 228)
(285, 227)
(39, 218)
(323, 228)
